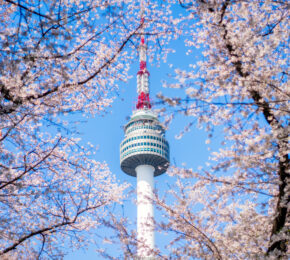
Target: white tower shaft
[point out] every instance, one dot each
(145, 214)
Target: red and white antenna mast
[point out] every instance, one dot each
(143, 74)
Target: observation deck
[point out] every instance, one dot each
(144, 144)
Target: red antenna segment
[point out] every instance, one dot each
(143, 77)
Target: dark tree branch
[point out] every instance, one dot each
(42, 245)
(16, 101)
(210, 245)
(284, 177)
(26, 170)
(27, 9)
(49, 229)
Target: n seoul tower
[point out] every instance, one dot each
(144, 153)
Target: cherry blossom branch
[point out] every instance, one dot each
(17, 101)
(283, 198)
(173, 102)
(50, 229)
(211, 245)
(27, 9)
(27, 170)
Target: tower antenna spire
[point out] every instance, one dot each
(143, 74)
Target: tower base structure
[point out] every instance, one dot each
(145, 213)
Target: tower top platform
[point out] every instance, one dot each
(142, 114)
(144, 143)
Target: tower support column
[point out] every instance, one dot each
(145, 214)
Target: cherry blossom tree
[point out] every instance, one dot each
(57, 58)
(236, 206)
